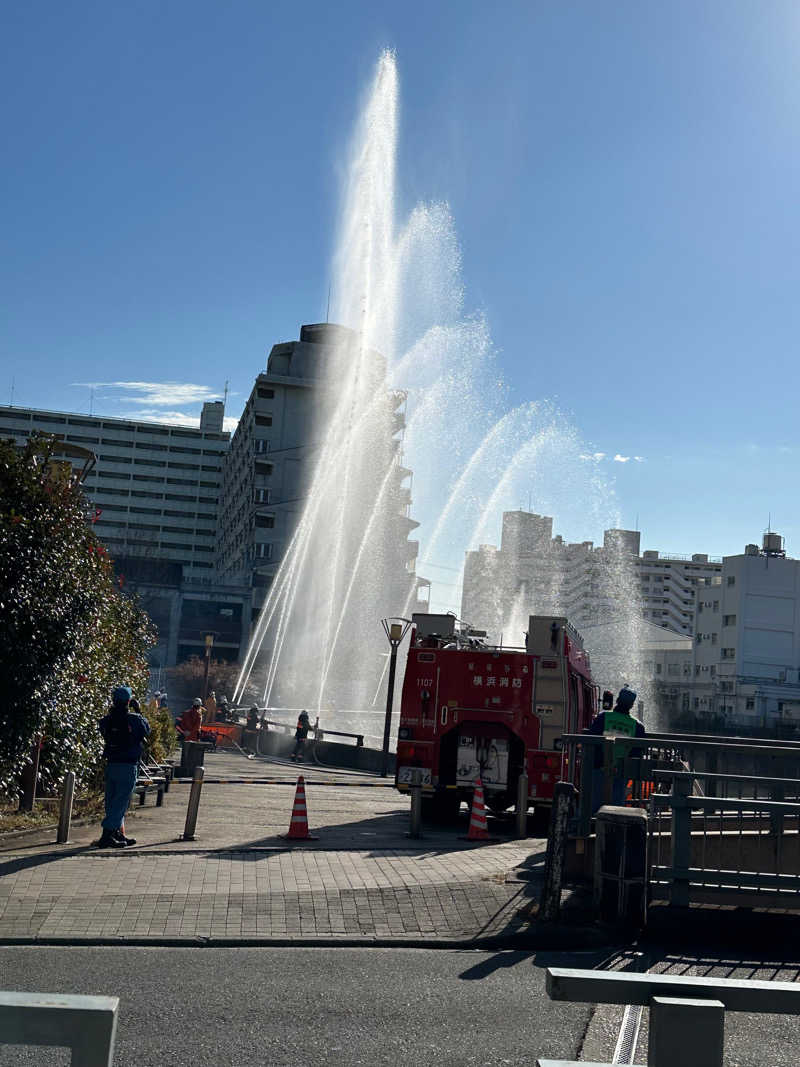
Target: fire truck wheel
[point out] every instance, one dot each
(441, 808)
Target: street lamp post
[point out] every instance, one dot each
(209, 645)
(395, 630)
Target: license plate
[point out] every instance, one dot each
(404, 775)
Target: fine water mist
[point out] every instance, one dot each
(419, 436)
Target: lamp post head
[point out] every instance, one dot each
(395, 630)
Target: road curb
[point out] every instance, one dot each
(544, 937)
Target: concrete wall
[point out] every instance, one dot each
(331, 754)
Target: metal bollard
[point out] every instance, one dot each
(65, 815)
(193, 805)
(416, 804)
(522, 805)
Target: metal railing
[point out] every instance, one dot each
(725, 839)
(625, 770)
(687, 1013)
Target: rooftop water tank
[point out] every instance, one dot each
(772, 544)
(751, 550)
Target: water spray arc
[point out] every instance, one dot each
(399, 325)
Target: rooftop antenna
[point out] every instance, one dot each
(225, 394)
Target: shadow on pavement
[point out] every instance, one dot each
(506, 958)
(24, 863)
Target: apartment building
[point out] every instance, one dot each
(746, 660)
(267, 471)
(155, 492)
(155, 488)
(536, 571)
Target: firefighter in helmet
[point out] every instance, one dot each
(618, 722)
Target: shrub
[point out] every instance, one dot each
(67, 634)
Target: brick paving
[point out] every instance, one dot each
(363, 879)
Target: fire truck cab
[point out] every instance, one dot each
(472, 710)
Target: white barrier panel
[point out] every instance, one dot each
(85, 1025)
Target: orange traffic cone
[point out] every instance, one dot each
(477, 818)
(298, 824)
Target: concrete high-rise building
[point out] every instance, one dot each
(155, 490)
(746, 658)
(156, 487)
(199, 522)
(535, 571)
(271, 460)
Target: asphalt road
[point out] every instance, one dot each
(310, 1006)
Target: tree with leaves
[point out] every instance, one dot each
(67, 634)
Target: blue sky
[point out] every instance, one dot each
(623, 177)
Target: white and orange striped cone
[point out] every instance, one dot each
(477, 817)
(298, 824)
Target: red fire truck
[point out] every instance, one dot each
(470, 709)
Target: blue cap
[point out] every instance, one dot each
(626, 698)
(122, 694)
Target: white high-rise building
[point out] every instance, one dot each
(271, 460)
(541, 573)
(156, 488)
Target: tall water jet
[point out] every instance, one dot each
(405, 381)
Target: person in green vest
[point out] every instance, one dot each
(618, 722)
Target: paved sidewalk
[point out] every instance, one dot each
(363, 880)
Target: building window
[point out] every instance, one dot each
(261, 447)
(728, 620)
(713, 639)
(262, 496)
(264, 551)
(263, 420)
(731, 579)
(716, 605)
(750, 704)
(264, 468)
(265, 394)
(265, 522)
(729, 653)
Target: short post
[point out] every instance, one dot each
(608, 770)
(550, 900)
(193, 805)
(686, 1031)
(681, 841)
(416, 803)
(585, 797)
(65, 814)
(522, 805)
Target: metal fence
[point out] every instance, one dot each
(624, 770)
(725, 839)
